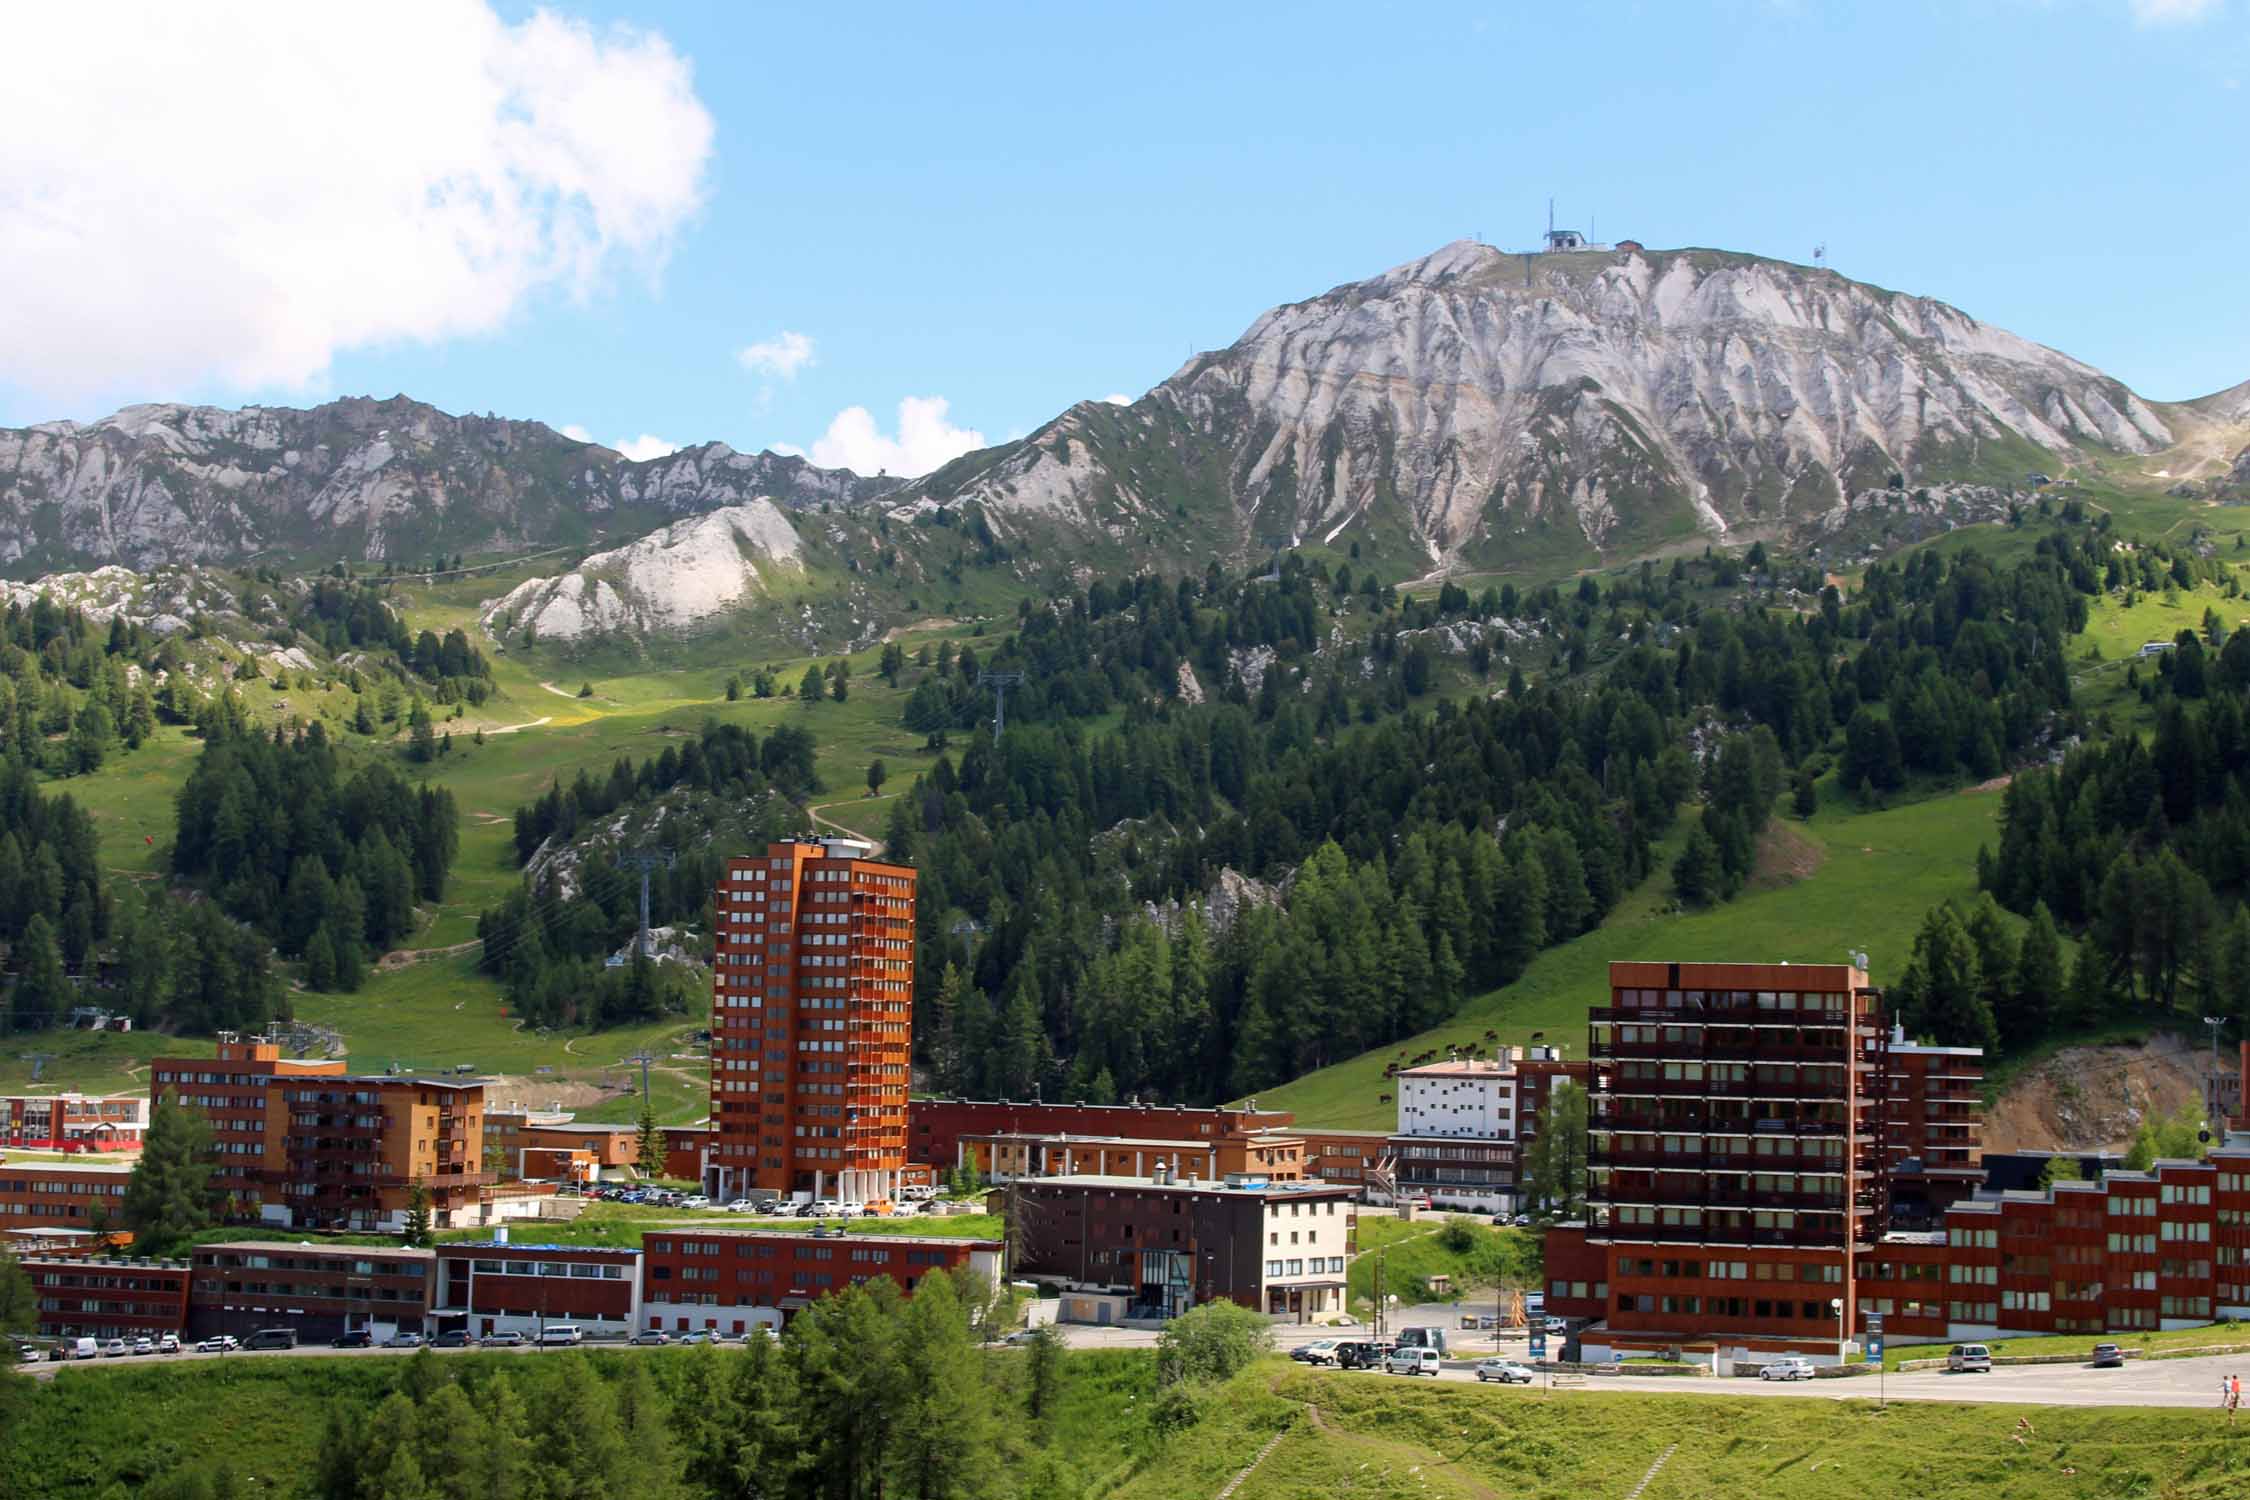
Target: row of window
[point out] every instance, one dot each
(1318, 1265)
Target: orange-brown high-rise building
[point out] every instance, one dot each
(811, 1013)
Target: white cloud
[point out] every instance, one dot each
(781, 356)
(1118, 398)
(334, 177)
(925, 440)
(2172, 12)
(639, 449)
(644, 448)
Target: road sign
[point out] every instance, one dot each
(1875, 1349)
(1538, 1343)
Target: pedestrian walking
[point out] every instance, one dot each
(2234, 1397)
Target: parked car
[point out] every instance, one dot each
(403, 1341)
(650, 1336)
(560, 1335)
(824, 1208)
(144, 1345)
(1411, 1362)
(271, 1338)
(503, 1341)
(1022, 1336)
(1523, 1221)
(1788, 1367)
(1506, 1371)
(218, 1343)
(454, 1338)
(2107, 1355)
(1318, 1352)
(1555, 1325)
(114, 1348)
(695, 1200)
(169, 1344)
(699, 1336)
(354, 1338)
(1968, 1359)
(1361, 1354)
(29, 1354)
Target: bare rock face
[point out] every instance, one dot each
(1474, 397)
(355, 478)
(670, 582)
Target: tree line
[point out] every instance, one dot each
(326, 861)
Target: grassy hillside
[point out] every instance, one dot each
(1870, 877)
(1333, 1434)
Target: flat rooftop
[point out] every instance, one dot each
(1464, 1067)
(1257, 1187)
(315, 1247)
(76, 1164)
(692, 1231)
(1151, 1142)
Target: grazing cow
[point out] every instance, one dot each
(1383, 1099)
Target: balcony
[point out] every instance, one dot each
(1706, 1234)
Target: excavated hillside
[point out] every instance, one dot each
(2094, 1098)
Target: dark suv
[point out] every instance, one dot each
(1361, 1354)
(356, 1338)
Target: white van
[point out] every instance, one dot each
(1411, 1362)
(559, 1334)
(83, 1348)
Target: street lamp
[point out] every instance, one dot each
(1838, 1304)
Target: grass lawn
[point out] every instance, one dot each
(1410, 1254)
(1376, 1437)
(1878, 873)
(2081, 1344)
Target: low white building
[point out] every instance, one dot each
(1462, 1125)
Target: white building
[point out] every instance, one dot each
(1462, 1125)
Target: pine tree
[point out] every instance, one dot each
(1696, 875)
(942, 1437)
(766, 1440)
(169, 1196)
(2040, 982)
(809, 689)
(650, 1141)
(1942, 990)
(417, 1230)
(320, 962)
(19, 1301)
(43, 991)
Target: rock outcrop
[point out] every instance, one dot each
(680, 579)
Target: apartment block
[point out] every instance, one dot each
(1463, 1125)
(1736, 1159)
(302, 1142)
(319, 1290)
(1933, 1129)
(233, 1090)
(1157, 1246)
(73, 1122)
(731, 1281)
(81, 1297)
(504, 1286)
(935, 1126)
(81, 1196)
(1343, 1158)
(812, 999)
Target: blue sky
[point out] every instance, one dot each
(1009, 208)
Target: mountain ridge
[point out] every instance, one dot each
(1470, 407)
